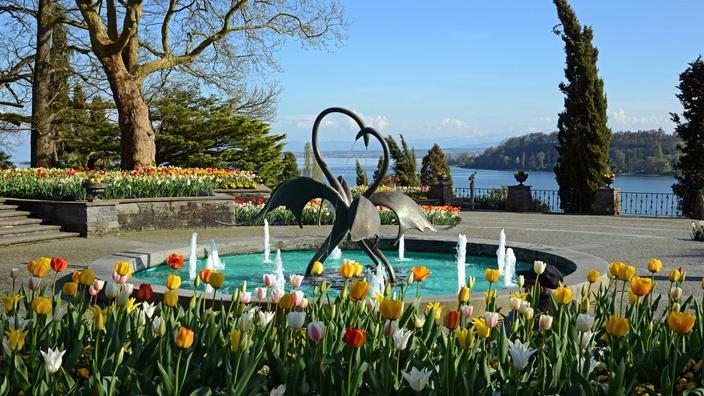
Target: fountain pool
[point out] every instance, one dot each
(251, 267)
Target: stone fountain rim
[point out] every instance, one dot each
(579, 262)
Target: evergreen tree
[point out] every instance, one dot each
(434, 165)
(362, 179)
(404, 162)
(583, 137)
(307, 160)
(317, 172)
(690, 129)
(5, 162)
(290, 166)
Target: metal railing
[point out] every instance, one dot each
(650, 204)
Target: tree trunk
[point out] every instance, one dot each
(43, 151)
(137, 136)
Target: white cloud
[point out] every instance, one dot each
(619, 118)
(379, 122)
(453, 123)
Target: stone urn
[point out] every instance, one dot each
(609, 179)
(94, 190)
(521, 177)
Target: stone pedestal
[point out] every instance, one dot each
(699, 205)
(441, 192)
(607, 201)
(518, 199)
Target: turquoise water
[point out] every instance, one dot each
(251, 267)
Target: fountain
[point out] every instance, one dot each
(501, 252)
(509, 268)
(377, 283)
(217, 263)
(279, 272)
(461, 257)
(193, 258)
(267, 248)
(209, 265)
(401, 249)
(336, 253)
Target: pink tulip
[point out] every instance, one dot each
(128, 288)
(119, 278)
(98, 285)
(515, 303)
(304, 303)
(316, 330)
(269, 280)
(545, 322)
(297, 296)
(34, 283)
(276, 295)
(245, 298)
(467, 310)
(92, 290)
(295, 280)
(491, 319)
(261, 293)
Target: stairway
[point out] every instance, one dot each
(17, 227)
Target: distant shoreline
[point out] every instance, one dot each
(549, 171)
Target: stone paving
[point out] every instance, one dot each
(633, 240)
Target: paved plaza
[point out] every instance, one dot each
(633, 240)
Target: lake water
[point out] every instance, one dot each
(496, 178)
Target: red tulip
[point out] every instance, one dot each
(175, 261)
(205, 275)
(58, 264)
(145, 292)
(354, 337)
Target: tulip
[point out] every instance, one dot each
(584, 339)
(112, 290)
(316, 330)
(235, 338)
(521, 281)
(17, 323)
(324, 287)
(520, 353)
(173, 281)
(148, 309)
(641, 286)
(593, 276)
(515, 303)
(347, 269)
(184, 337)
(269, 280)
(98, 285)
(467, 310)
(70, 289)
(100, 317)
(295, 281)
(278, 391)
(417, 379)
(304, 304)
(10, 302)
(489, 296)
(204, 275)
(563, 295)
(463, 295)
(128, 287)
(14, 273)
(491, 319)
(359, 290)
(296, 298)
(87, 277)
(260, 292)
(539, 267)
(545, 322)
(15, 339)
(390, 327)
(584, 322)
(123, 298)
(34, 283)
(145, 292)
(465, 337)
(265, 318)
(702, 283)
(170, 298)
(318, 268)
(159, 326)
(391, 309)
(683, 273)
(358, 268)
(123, 268)
(245, 298)
(41, 305)
(58, 264)
(681, 322)
(676, 307)
(626, 272)
(216, 279)
(483, 331)
(354, 337)
(419, 321)
(436, 308)
(675, 275)
(400, 338)
(675, 293)
(119, 278)
(524, 306)
(491, 275)
(175, 261)
(470, 281)
(615, 267)
(245, 321)
(59, 313)
(617, 326)
(528, 313)
(39, 268)
(276, 296)
(452, 319)
(654, 265)
(295, 319)
(420, 273)
(52, 359)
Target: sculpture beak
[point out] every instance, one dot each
(363, 134)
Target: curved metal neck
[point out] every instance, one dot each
(316, 152)
(384, 164)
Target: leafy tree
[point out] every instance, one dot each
(5, 161)
(307, 160)
(290, 166)
(690, 128)
(434, 165)
(362, 179)
(583, 137)
(404, 162)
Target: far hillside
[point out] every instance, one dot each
(639, 153)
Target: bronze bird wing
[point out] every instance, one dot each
(364, 220)
(408, 214)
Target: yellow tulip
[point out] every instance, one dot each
(521, 296)
(641, 286)
(617, 326)
(465, 337)
(563, 295)
(347, 269)
(632, 298)
(41, 305)
(681, 322)
(437, 309)
(615, 267)
(100, 317)
(70, 289)
(184, 337)
(10, 302)
(489, 296)
(131, 306)
(286, 302)
(235, 337)
(675, 275)
(359, 290)
(483, 331)
(318, 268)
(39, 268)
(173, 281)
(593, 276)
(217, 279)
(123, 268)
(171, 298)
(491, 275)
(654, 265)
(15, 338)
(87, 277)
(626, 273)
(358, 269)
(463, 295)
(390, 309)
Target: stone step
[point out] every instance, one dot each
(13, 213)
(18, 221)
(28, 229)
(12, 240)
(7, 207)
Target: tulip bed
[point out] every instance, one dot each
(315, 213)
(620, 339)
(698, 231)
(67, 184)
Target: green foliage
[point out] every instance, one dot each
(583, 137)
(404, 162)
(362, 179)
(290, 166)
(307, 160)
(5, 161)
(690, 128)
(207, 132)
(434, 165)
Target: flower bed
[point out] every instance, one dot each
(417, 193)
(620, 339)
(697, 233)
(315, 213)
(67, 184)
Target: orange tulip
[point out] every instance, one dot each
(354, 337)
(217, 279)
(617, 326)
(420, 273)
(641, 286)
(390, 309)
(681, 322)
(491, 275)
(184, 337)
(175, 261)
(204, 275)
(452, 319)
(58, 264)
(359, 290)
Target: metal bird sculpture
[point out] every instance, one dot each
(355, 218)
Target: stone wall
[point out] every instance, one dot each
(105, 217)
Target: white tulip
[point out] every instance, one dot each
(278, 391)
(539, 267)
(419, 320)
(584, 322)
(265, 318)
(417, 379)
(158, 325)
(123, 298)
(545, 322)
(148, 309)
(390, 327)
(112, 289)
(676, 293)
(520, 353)
(401, 338)
(585, 339)
(295, 319)
(521, 281)
(34, 283)
(53, 360)
(17, 323)
(59, 313)
(245, 321)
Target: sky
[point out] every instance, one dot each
(469, 74)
